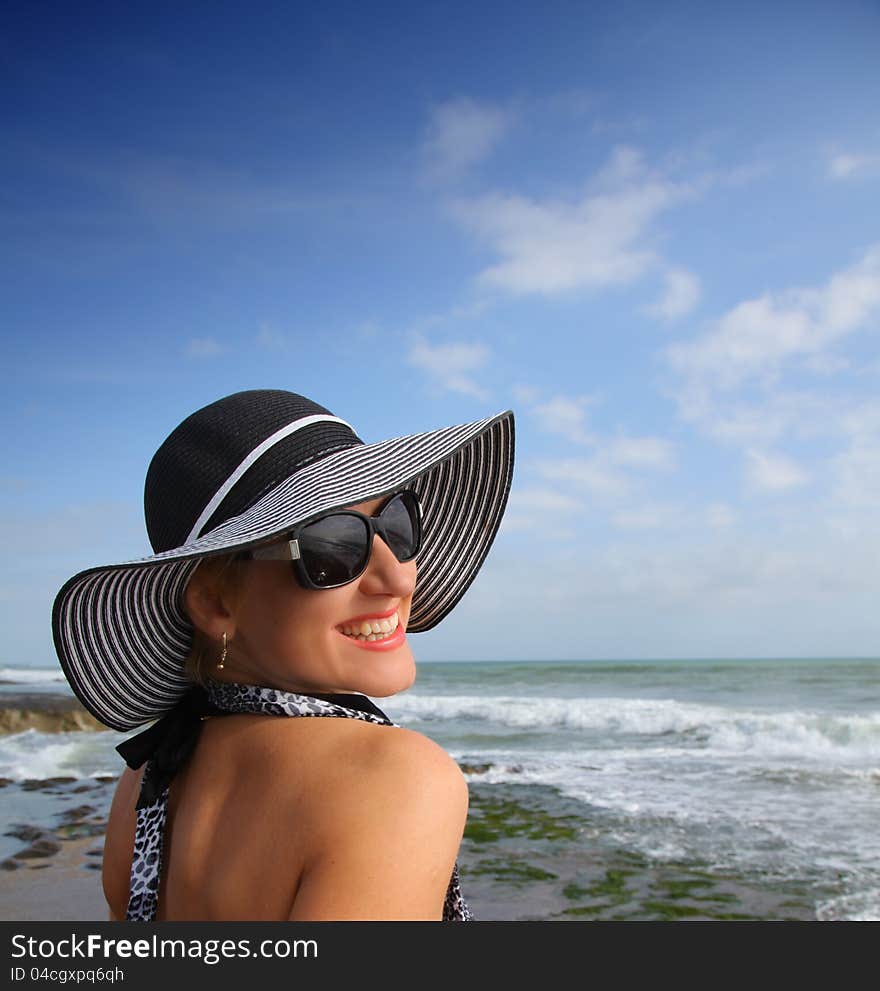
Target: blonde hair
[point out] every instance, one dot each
(224, 573)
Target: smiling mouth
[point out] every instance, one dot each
(371, 629)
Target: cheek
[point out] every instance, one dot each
(298, 618)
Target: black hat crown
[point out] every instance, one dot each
(201, 455)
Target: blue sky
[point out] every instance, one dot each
(651, 230)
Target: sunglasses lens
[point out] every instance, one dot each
(401, 521)
(334, 549)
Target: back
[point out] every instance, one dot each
(274, 819)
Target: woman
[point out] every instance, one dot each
(292, 562)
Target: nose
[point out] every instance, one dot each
(385, 575)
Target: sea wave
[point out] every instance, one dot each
(860, 906)
(47, 719)
(771, 733)
(31, 676)
(35, 755)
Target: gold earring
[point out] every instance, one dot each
(223, 654)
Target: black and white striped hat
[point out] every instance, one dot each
(242, 472)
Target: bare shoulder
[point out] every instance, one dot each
(385, 835)
(354, 756)
(119, 842)
(393, 763)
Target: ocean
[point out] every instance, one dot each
(606, 790)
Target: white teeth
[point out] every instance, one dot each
(374, 629)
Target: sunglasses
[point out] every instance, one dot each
(335, 549)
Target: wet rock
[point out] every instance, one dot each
(9, 864)
(6, 781)
(80, 812)
(35, 784)
(78, 830)
(21, 711)
(44, 847)
(21, 831)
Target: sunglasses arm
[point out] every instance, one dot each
(286, 550)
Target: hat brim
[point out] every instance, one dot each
(122, 635)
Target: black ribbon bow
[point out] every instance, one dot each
(168, 743)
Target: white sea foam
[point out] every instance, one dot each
(31, 676)
(726, 730)
(32, 754)
(711, 808)
(861, 906)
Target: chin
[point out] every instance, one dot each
(395, 675)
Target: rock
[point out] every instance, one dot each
(39, 848)
(38, 784)
(474, 768)
(77, 830)
(22, 831)
(20, 711)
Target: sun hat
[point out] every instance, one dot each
(241, 472)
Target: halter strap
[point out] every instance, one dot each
(166, 745)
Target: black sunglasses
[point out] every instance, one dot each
(335, 549)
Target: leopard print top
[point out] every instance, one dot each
(225, 697)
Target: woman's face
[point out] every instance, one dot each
(288, 637)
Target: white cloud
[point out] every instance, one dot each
(641, 452)
(720, 516)
(451, 365)
(566, 416)
(555, 245)
(755, 338)
(826, 364)
(540, 510)
(544, 500)
(525, 393)
(847, 166)
(861, 421)
(773, 472)
(762, 419)
(204, 347)
(680, 297)
(594, 475)
(856, 468)
(460, 134)
(271, 339)
(856, 473)
(606, 473)
(647, 517)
